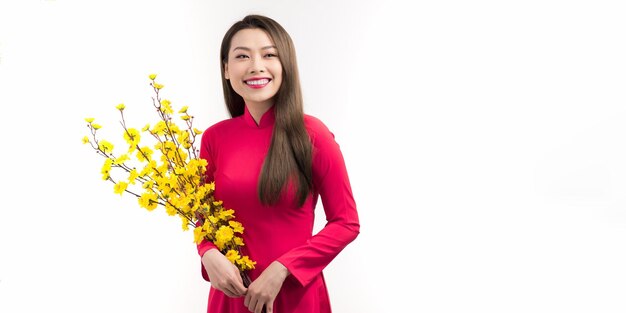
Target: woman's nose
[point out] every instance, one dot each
(257, 65)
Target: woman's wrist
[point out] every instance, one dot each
(283, 270)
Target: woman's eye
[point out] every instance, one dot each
(271, 55)
(241, 56)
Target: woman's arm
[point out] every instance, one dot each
(330, 178)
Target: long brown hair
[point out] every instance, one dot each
(290, 155)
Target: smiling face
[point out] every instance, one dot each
(253, 68)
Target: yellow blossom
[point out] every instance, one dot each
(210, 186)
(152, 76)
(238, 241)
(185, 117)
(148, 200)
(105, 146)
(213, 219)
(166, 106)
(96, 126)
(245, 263)
(120, 187)
(198, 234)
(132, 137)
(158, 86)
(170, 210)
(89, 120)
(197, 131)
(121, 159)
(120, 107)
(183, 109)
(223, 235)
(232, 255)
(106, 168)
(237, 227)
(147, 185)
(159, 128)
(144, 154)
(132, 176)
(145, 128)
(226, 214)
(85, 139)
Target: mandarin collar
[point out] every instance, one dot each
(267, 119)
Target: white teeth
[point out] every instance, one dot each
(258, 82)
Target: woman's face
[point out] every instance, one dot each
(253, 67)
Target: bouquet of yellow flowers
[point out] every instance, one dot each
(169, 172)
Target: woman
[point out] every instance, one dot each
(270, 163)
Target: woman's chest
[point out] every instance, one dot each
(238, 162)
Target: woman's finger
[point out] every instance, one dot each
(229, 291)
(259, 307)
(252, 304)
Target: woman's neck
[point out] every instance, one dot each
(257, 110)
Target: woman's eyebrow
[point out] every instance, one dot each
(248, 49)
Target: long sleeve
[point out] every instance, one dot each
(205, 153)
(331, 181)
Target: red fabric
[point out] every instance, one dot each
(235, 150)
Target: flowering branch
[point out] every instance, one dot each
(171, 176)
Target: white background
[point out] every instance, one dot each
(485, 141)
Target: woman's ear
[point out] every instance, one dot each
(226, 71)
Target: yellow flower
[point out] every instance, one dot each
(120, 107)
(198, 234)
(96, 126)
(226, 214)
(148, 200)
(85, 139)
(121, 159)
(238, 241)
(105, 146)
(133, 176)
(223, 235)
(147, 185)
(183, 109)
(170, 210)
(211, 186)
(213, 219)
(159, 128)
(237, 227)
(185, 117)
(152, 76)
(132, 138)
(120, 187)
(144, 154)
(89, 119)
(166, 106)
(185, 223)
(245, 263)
(106, 169)
(197, 131)
(158, 86)
(145, 128)
(232, 255)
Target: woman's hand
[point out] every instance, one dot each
(223, 274)
(263, 291)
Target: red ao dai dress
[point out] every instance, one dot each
(235, 150)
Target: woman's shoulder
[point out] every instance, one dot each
(218, 129)
(318, 131)
(221, 125)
